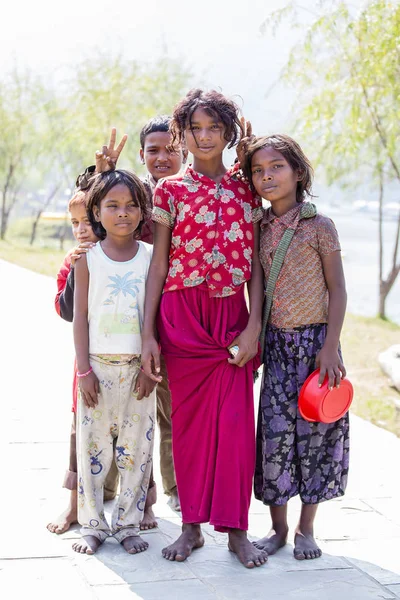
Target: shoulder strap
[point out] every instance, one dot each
(308, 210)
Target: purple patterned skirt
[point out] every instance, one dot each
(295, 456)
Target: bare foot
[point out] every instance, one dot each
(134, 544)
(67, 518)
(248, 555)
(174, 502)
(190, 539)
(272, 542)
(149, 520)
(305, 546)
(89, 544)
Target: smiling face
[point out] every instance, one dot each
(159, 161)
(118, 213)
(205, 136)
(273, 177)
(81, 226)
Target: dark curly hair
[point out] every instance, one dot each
(294, 155)
(103, 183)
(159, 123)
(214, 104)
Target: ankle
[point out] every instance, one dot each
(281, 529)
(193, 528)
(305, 529)
(237, 533)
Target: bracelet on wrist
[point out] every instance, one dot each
(85, 374)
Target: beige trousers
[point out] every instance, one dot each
(164, 423)
(121, 417)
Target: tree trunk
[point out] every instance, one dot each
(34, 227)
(382, 295)
(40, 211)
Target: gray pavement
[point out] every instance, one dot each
(359, 534)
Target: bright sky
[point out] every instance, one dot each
(219, 40)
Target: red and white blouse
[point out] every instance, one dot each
(212, 230)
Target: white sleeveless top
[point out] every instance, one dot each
(116, 301)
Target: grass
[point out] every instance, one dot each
(362, 339)
(45, 260)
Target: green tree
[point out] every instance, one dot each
(51, 132)
(346, 71)
(19, 108)
(113, 92)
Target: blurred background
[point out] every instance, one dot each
(327, 73)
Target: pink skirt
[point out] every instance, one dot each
(213, 434)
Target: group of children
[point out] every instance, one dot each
(155, 290)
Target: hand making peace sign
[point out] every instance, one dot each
(106, 159)
(246, 136)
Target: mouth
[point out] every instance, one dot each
(124, 224)
(83, 239)
(206, 148)
(269, 188)
(163, 168)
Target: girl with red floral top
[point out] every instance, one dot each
(295, 456)
(205, 250)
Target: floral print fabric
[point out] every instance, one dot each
(295, 456)
(212, 230)
(301, 295)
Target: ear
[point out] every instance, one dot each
(300, 175)
(96, 213)
(141, 154)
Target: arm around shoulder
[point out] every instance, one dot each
(155, 282)
(80, 321)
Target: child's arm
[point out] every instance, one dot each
(62, 277)
(328, 359)
(66, 298)
(247, 341)
(89, 385)
(155, 281)
(64, 301)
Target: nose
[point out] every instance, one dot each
(267, 176)
(122, 213)
(163, 156)
(204, 134)
(82, 227)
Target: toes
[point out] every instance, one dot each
(180, 557)
(299, 555)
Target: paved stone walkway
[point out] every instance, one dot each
(359, 534)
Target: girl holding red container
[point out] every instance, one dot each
(295, 456)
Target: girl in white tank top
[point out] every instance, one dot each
(116, 399)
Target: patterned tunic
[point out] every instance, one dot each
(212, 230)
(301, 295)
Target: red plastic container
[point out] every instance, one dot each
(321, 404)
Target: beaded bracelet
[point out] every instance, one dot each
(85, 374)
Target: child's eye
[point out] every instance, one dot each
(194, 128)
(256, 170)
(215, 127)
(278, 166)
